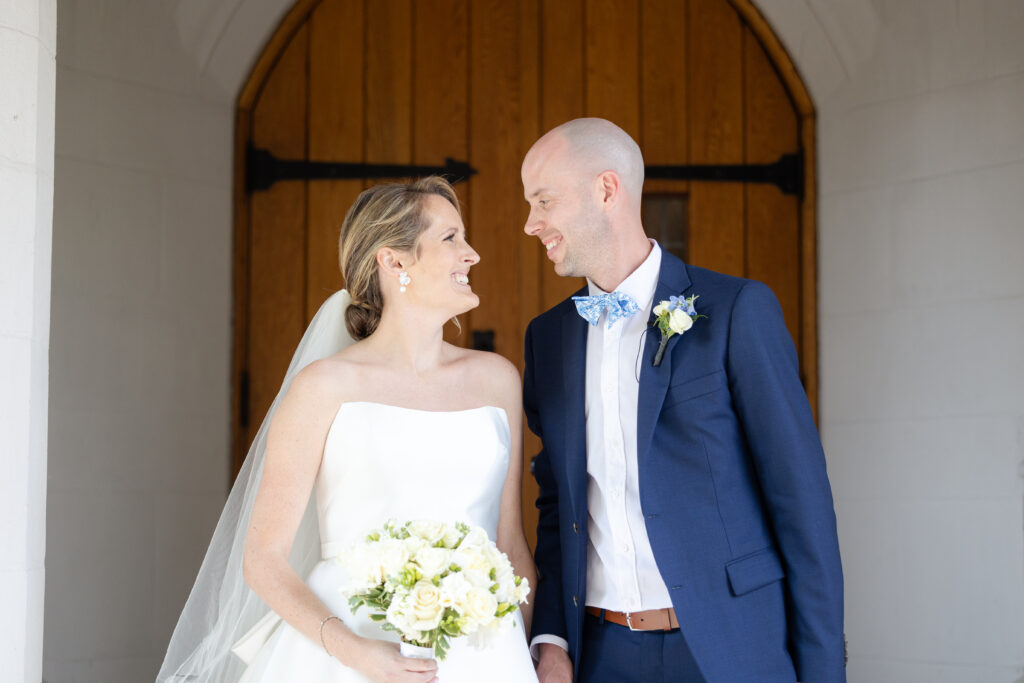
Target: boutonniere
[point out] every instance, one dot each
(673, 317)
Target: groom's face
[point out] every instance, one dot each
(564, 211)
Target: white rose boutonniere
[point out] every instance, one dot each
(674, 316)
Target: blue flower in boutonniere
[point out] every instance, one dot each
(672, 317)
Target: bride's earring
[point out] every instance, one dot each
(403, 279)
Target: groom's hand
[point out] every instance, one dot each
(554, 665)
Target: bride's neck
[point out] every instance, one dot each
(410, 339)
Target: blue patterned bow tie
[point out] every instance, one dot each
(618, 305)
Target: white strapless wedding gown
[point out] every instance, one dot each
(383, 462)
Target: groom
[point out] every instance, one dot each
(686, 525)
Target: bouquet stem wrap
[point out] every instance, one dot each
(416, 651)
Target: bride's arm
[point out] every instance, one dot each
(511, 538)
(295, 444)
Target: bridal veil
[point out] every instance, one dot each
(221, 607)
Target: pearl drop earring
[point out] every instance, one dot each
(403, 279)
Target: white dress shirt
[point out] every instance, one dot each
(622, 575)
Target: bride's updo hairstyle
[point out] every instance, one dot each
(382, 216)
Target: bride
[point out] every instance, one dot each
(399, 424)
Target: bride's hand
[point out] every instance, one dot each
(380, 661)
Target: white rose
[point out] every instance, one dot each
(476, 538)
(479, 607)
(454, 589)
(425, 604)
(522, 591)
(428, 530)
(451, 536)
(414, 544)
(400, 616)
(495, 557)
(679, 321)
(362, 569)
(474, 566)
(479, 579)
(506, 580)
(433, 561)
(392, 555)
(659, 309)
(471, 559)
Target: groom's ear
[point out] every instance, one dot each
(609, 188)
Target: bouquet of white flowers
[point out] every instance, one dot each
(430, 581)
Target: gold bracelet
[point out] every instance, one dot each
(322, 623)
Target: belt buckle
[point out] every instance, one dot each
(629, 621)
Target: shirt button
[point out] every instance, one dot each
(626, 549)
(575, 603)
(575, 528)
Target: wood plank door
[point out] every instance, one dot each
(416, 81)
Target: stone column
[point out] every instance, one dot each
(28, 78)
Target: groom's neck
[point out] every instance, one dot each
(623, 259)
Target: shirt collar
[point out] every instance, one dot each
(641, 283)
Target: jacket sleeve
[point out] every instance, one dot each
(548, 612)
(790, 465)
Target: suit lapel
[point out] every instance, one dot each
(672, 281)
(574, 369)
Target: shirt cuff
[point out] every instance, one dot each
(546, 638)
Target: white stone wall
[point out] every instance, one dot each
(139, 399)
(140, 361)
(921, 234)
(27, 75)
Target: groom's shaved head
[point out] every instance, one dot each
(584, 181)
(595, 146)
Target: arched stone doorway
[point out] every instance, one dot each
(696, 82)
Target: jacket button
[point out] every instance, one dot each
(575, 603)
(575, 528)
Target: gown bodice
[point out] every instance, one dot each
(384, 462)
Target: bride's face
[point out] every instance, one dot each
(440, 273)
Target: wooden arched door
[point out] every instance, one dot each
(416, 81)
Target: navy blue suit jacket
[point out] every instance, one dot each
(733, 486)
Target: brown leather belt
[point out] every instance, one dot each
(652, 620)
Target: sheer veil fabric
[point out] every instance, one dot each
(221, 607)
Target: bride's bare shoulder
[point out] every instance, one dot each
(488, 368)
(335, 377)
